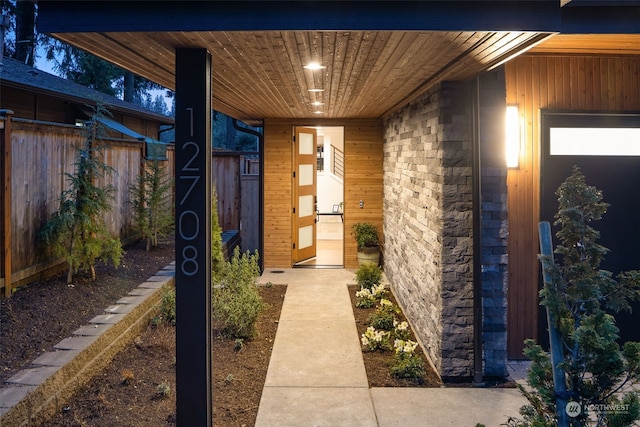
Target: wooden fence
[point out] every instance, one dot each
(34, 159)
(236, 179)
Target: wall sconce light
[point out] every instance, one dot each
(512, 136)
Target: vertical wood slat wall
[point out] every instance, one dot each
(362, 181)
(536, 82)
(277, 193)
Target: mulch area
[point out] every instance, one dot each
(40, 314)
(377, 363)
(138, 387)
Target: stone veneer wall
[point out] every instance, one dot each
(428, 228)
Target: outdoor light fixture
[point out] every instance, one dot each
(512, 136)
(314, 66)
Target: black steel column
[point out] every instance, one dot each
(476, 180)
(193, 237)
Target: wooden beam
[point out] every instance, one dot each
(454, 15)
(598, 19)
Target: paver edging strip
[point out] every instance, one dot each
(45, 400)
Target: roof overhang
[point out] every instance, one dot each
(378, 55)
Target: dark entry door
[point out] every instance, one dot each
(618, 177)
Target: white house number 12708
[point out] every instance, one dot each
(189, 221)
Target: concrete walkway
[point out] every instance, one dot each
(316, 376)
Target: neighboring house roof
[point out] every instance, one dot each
(17, 74)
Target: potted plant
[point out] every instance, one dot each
(368, 242)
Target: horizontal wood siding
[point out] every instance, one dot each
(535, 82)
(20, 102)
(51, 109)
(362, 181)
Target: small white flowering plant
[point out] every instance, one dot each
(367, 297)
(373, 340)
(406, 364)
(401, 330)
(404, 347)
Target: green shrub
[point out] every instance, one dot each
(588, 367)
(151, 200)
(163, 389)
(217, 256)
(407, 366)
(368, 275)
(236, 298)
(77, 231)
(167, 308)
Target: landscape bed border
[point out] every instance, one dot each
(34, 394)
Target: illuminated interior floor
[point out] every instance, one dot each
(329, 244)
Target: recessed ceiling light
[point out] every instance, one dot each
(316, 90)
(318, 112)
(317, 103)
(314, 66)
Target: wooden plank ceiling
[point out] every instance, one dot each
(590, 44)
(260, 74)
